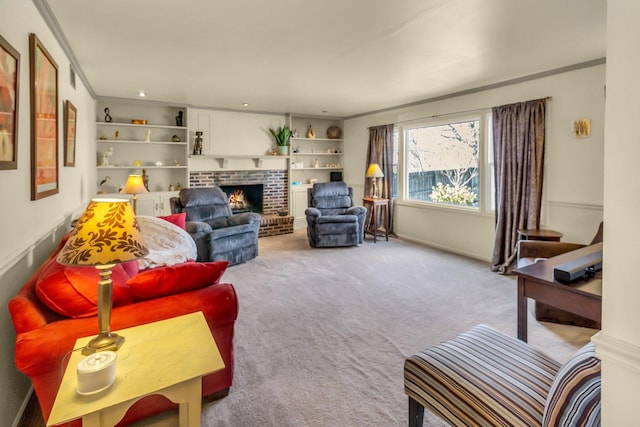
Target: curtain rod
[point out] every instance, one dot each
(546, 98)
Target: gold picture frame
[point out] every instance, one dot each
(70, 114)
(9, 87)
(43, 74)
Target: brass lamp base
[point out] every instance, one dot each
(103, 342)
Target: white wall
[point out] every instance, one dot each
(31, 228)
(573, 187)
(618, 344)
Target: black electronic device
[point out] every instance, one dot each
(579, 268)
(335, 176)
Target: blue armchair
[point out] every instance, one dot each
(219, 234)
(332, 219)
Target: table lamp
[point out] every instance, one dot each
(374, 172)
(135, 186)
(106, 234)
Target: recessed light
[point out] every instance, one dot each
(142, 94)
(324, 111)
(245, 104)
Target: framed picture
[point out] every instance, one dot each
(9, 85)
(70, 114)
(43, 73)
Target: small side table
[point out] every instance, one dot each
(539, 234)
(372, 227)
(146, 364)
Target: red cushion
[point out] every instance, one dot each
(179, 219)
(162, 281)
(73, 291)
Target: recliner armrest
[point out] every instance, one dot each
(313, 212)
(193, 227)
(356, 210)
(244, 218)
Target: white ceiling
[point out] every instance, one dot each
(345, 57)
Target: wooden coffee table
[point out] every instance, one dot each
(168, 357)
(582, 297)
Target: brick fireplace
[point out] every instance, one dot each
(275, 185)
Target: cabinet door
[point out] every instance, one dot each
(146, 205)
(299, 205)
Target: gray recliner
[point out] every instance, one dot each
(332, 219)
(219, 234)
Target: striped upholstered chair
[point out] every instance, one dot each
(485, 378)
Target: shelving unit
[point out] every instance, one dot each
(304, 154)
(149, 146)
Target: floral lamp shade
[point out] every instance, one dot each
(107, 233)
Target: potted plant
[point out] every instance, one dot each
(282, 136)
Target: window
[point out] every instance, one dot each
(444, 161)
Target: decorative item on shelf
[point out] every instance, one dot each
(145, 179)
(175, 138)
(103, 137)
(178, 186)
(106, 157)
(107, 223)
(374, 172)
(283, 212)
(295, 133)
(158, 163)
(316, 163)
(282, 136)
(179, 119)
(296, 149)
(103, 182)
(310, 132)
(107, 117)
(313, 181)
(171, 188)
(197, 146)
(134, 185)
(117, 134)
(148, 137)
(139, 122)
(176, 162)
(137, 163)
(334, 132)
(274, 152)
(329, 150)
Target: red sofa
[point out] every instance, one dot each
(44, 337)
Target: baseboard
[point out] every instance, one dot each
(25, 403)
(444, 248)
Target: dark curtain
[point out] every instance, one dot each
(518, 142)
(380, 151)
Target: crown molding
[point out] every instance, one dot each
(53, 24)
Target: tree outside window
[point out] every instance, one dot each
(443, 162)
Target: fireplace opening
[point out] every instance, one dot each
(244, 197)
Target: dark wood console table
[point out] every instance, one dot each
(535, 281)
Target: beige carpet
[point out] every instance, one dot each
(322, 333)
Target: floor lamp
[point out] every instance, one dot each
(106, 234)
(135, 186)
(374, 172)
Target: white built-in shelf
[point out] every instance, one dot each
(224, 158)
(121, 141)
(317, 139)
(338, 168)
(316, 154)
(140, 126)
(142, 167)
